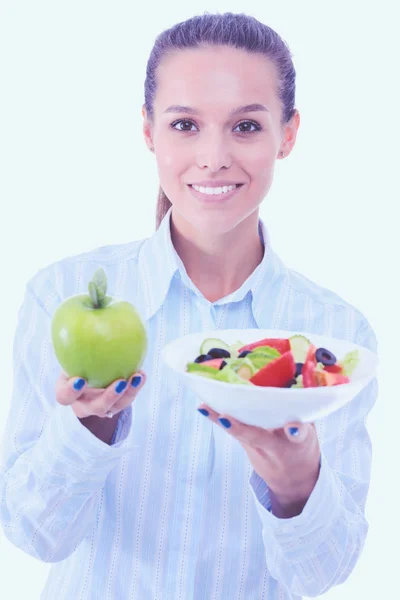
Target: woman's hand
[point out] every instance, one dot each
(287, 459)
(99, 402)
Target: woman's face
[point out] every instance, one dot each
(207, 142)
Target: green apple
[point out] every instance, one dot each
(98, 337)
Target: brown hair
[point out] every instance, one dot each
(229, 29)
(163, 206)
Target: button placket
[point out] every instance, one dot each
(207, 314)
(219, 314)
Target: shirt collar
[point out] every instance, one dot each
(159, 264)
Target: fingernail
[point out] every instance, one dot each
(225, 422)
(136, 381)
(120, 387)
(294, 431)
(203, 411)
(79, 383)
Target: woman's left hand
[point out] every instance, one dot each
(287, 459)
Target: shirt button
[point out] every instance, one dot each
(207, 312)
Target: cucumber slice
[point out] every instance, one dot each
(230, 376)
(234, 349)
(213, 343)
(237, 363)
(299, 345)
(245, 372)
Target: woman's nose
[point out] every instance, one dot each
(214, 154)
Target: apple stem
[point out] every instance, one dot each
(98, 289)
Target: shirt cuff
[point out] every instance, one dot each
(321, 509)
(67, 454)
(123, 427)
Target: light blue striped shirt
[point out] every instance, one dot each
(172, 510)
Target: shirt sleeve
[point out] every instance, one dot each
(53, 468)
(318, 549)
(123, 427)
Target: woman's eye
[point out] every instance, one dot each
(251, 124)
(247, 129)
(179, 122)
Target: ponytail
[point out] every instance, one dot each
(163, 206)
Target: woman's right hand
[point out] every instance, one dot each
(87, 401)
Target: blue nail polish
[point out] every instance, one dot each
(203, 411)
(79, 383)
(120, 387)
(136, 381)
(294, 431)
(225, 422)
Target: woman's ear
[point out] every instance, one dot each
(290, 133)
(147, 129)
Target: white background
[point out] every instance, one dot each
(76, 174)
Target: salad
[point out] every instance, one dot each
(292, 362)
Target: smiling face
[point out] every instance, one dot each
(206, 141)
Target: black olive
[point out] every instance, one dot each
(244, 353)
(202, 358)
(290, 382)
(325, 357)
(219, 353)
(223, 364)
(299, 368)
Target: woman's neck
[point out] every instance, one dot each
(219, 265)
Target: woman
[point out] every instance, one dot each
(159, 501)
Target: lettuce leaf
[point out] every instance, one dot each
(262, 358)
(229, 375)
(349, 362)
(299, 382)
(201, 369)
(273, 352)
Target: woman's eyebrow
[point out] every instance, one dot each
(178, 108)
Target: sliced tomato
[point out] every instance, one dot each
(325, 378)
(308, 374)
(333, 368)
(313, 377)
(311, 354)
(214, 362)
(276, 373)
(282, 345)
(309, 367)
(340, 379)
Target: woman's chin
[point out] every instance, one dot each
(216, 224)
(189, 217)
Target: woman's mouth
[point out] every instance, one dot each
(210, 195)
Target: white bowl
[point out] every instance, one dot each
(269, 407)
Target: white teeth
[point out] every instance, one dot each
(214, 191)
